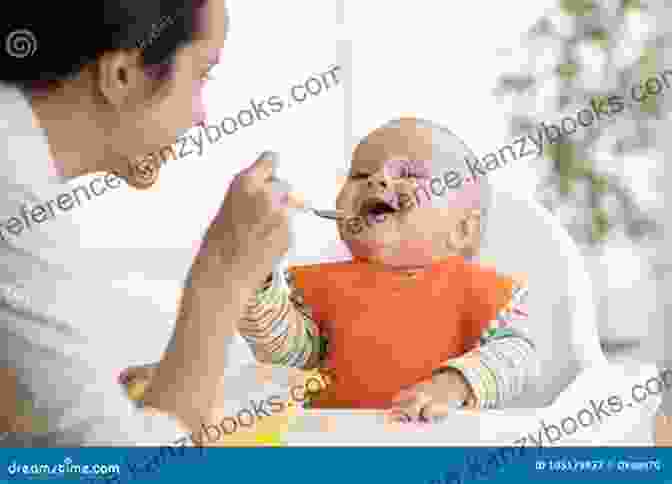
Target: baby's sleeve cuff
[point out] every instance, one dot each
(274, 291)
(480, 378)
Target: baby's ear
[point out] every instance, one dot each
(470, 225)
(465, 237)
(474, 216)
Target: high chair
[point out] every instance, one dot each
(521, 237)
(574, 376)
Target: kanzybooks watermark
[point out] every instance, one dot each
(157, 29)
(479, 468)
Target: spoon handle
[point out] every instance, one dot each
(329, 214)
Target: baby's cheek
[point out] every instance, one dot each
(345, 198)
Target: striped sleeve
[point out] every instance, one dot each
(504, 361)
(278, 326)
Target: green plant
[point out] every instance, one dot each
(573, 159)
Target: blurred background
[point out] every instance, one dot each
(492, 73)
(487, 70)
(606, 182)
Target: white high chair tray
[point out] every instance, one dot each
(369, 428)
(632, 426)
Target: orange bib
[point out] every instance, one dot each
(387, 329)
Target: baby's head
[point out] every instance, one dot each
(408, 187)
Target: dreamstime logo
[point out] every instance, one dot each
(21, 43)
(67, 469)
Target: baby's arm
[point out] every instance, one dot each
(276, 326)
(279, 327)
(504, 362)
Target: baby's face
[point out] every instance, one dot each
(397, 224)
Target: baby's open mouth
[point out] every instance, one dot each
(378, 209)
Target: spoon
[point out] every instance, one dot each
(299, 203)
(328, 214)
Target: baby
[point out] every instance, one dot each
(410, 324)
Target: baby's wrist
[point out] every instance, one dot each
(457, 382)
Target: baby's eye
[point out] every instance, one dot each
(358, 176)
(400, 169)
(414, 173)
(407, 172)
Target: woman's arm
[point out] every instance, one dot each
(188, 379)
(242, 245)
(57, 394)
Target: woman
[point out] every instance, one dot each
(77, 88)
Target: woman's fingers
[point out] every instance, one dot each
(136, 390)
(262, 170)
(259, 179)
(251, 232)
(295, 200)
(136, 373)
(136, 379)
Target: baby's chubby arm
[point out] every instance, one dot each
(495, 372)
(491, 375)
(500, 368)
(278, 329)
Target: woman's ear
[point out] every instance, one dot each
(121, 77)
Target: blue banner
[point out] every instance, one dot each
(416, 465)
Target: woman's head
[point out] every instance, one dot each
(413, 202)
(112, 79)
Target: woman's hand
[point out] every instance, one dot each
(244, 241)
(136, 379)
(251, 230)
(431, 399)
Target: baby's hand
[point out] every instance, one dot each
(431, 399)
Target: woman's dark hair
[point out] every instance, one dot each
(42, 42)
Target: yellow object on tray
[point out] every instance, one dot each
(136, 390)
(265, 430)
